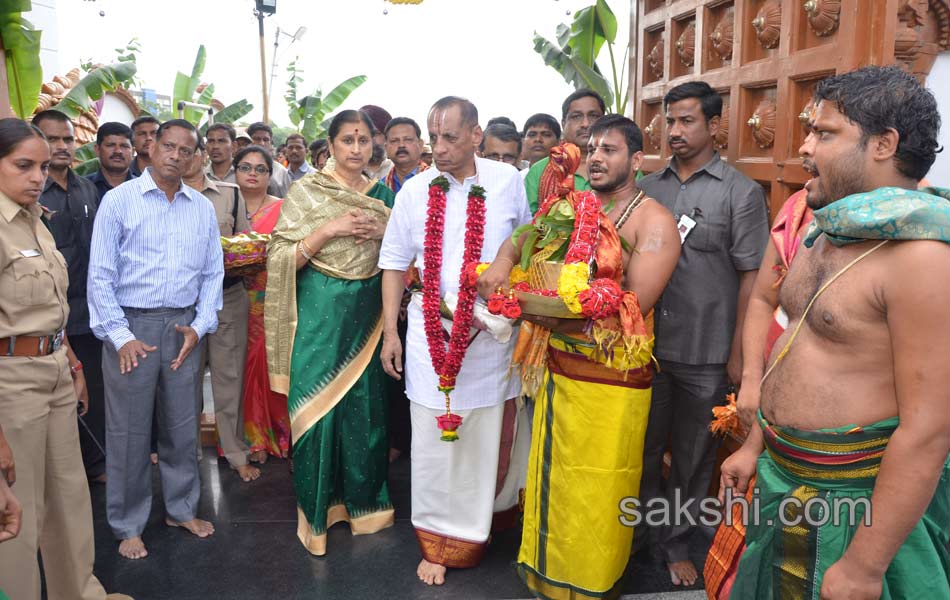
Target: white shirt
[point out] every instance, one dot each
(483, 379)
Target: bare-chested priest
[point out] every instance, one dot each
(854, 483)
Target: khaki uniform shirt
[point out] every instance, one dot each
(232, 218)
(33, 276)
(229, 177)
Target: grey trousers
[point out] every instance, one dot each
(225, 351)
(680, 413)
(130, 402)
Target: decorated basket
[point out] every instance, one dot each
(245, 253)
(542, 299)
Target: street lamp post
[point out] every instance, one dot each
(273, 68)
(264, 8)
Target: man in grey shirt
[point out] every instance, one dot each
(723, 221)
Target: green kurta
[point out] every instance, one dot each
(532, 181)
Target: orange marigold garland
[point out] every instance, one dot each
(448, 362)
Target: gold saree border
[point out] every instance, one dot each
(316, 543)
(795, 568)
(324, 400)
(448, 551)
(804, 472)
(279, 383)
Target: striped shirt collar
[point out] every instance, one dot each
(147, 184)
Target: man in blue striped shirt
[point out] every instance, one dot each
(155, 281)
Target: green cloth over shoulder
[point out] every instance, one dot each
(888, 213)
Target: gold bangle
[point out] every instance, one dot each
(510, 262)
(307, 246)
(303, 251)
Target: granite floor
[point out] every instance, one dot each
(255, 553)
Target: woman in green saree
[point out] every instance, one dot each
(323, 325)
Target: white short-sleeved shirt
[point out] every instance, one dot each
(483, 379)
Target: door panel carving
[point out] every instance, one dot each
(767, 71)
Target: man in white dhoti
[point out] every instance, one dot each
(453, 484)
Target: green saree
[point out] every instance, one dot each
(336, 396)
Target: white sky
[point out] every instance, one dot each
(415, 54)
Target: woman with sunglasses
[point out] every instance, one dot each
(266, 424)
(323, 321)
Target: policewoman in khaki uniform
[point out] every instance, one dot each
(40, 382)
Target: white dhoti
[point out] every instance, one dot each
(512, 465)
(453, 484)
(457, 487)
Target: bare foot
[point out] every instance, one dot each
(133, 548)
(248, 472)
(196, 526)
(431, 573)
(153, 457)
(682, 572)
(259, 456)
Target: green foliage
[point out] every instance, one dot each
(555, 228)
(229, 114)
(186, 85)
(86, 162)
(281, 133)
(293, 83)
(575, 54)
(310, 113)
(21, 43)
(573, 71)
(128, 54)
(592, 27)
(93, 86)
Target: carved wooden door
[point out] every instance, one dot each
(765, 57)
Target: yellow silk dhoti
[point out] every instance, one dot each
(586, 457)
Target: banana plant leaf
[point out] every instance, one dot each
(339, 94)
(592, 27)
(93, 86)
(314, 109)
(206, 94)
(86, 162)
(186, 85)
(290, 95)
(21, 44)
(573, 70)
(563, 37)
(229, 114)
